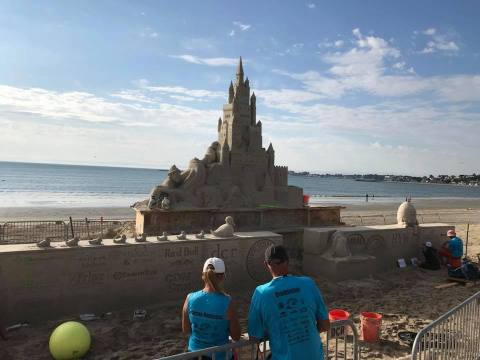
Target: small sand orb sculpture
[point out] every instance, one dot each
(406, 214)
(70, 340)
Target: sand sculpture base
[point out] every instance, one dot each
(47, 283)
(154, 222)
(371, 249)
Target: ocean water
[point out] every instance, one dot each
(46, 185)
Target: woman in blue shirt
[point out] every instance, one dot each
(209, 315)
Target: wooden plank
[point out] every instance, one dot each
(446, 285)
(463, 281)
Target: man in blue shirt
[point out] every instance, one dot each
(289, 311)
(452, 250)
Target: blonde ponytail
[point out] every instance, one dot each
(211, 279)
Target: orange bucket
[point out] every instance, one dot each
(306, 199)
(371, 324)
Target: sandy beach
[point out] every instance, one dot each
(126, 213)
(406, 298)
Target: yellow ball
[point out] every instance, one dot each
(70, 340)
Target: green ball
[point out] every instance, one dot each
(70, 340)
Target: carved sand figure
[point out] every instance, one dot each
(182, 236)
(120, 239)
(339, 246)
(200, 235)
(236, 171)
(97, 241)
(141, 238)
(165, 204)
(225, 230)
(407, 214)
(163, 237)
(44, 243)
(72, 242)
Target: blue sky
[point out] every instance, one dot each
(342, 86)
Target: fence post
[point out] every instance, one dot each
(466, 241)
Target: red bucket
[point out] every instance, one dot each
(306, 199)
(338, 314)
(371, 324)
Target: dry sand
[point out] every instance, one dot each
(406, 298)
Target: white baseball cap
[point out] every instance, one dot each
(217, 264)
(428, 244)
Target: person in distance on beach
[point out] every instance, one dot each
(288, 310)
(209, 316)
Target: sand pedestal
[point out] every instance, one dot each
(153, 222)
(47, 283)
(372, 249)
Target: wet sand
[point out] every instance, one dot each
(406, 298)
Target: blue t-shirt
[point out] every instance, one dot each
(210, 326)
(286, 311)
(455, 245)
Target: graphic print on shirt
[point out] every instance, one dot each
(294, 318)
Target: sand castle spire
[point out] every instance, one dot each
(230, 93)
(240, 72)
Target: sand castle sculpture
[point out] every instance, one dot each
(236, 171)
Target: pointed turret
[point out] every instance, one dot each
(219, 124)
(253, 109)
(247, 83)
(225, 154)
(271, 160)
(240, 72)
(230, 93)
(270, 148)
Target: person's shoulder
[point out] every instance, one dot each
(195, 294)
(303, 279)
(261, 289)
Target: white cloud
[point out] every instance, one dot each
(148, 33)
(429, 31)
(138, 109)
(218, 61)
(311, 6)
(439, 43)
(178, 90)
(198, 44)
(241, 26)
(366, 67)
(231, 33)
(338, 43)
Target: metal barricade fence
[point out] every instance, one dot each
(453, 336)
(91, 228)
(16, 232)
(472, 217)
(24, 232)
(340, 342)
